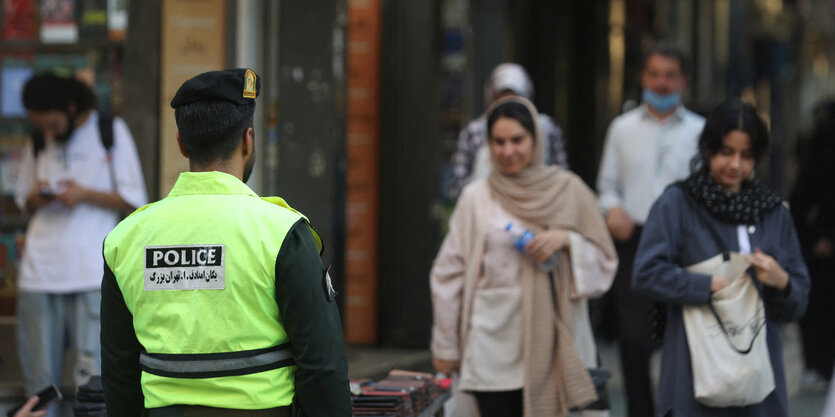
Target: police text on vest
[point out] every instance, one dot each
(185, 267)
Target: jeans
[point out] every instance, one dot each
(46, 323)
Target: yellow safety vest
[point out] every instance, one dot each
(197, 272)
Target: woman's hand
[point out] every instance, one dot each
(717, 282)
(26, 411)
(768, 271)
(546, 243)
(446, 367)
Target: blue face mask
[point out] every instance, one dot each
(659, 103)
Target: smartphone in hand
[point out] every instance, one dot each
(46, 397)
(46, 192)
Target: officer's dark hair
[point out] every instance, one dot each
(731, 115)
(512, 110)
(211, 130)
(47, 92)
(669, 51)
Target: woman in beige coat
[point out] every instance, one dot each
(500, 316)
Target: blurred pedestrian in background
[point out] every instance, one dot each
(813, 206)
(721, 207)
(76, 175)
(471, 161)
(646, 149)
(500, 317)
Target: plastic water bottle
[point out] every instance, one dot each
(521, 236)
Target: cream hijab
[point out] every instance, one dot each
(541, 195)
(546, 197)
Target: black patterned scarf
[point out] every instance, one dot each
(749, 206)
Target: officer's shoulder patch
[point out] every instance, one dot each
(327, 285)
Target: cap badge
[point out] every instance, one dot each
(249, 84)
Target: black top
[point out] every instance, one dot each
(312, 323)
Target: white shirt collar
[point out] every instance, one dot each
(677, 116)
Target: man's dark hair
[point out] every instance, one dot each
(512, 110)
(669, 51)
(212, 129)
(731, 115)
(47, 91)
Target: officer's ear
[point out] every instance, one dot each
(180, 144)
(248, 142)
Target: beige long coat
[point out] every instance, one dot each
(454, 298)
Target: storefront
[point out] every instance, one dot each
(86, 39)
(363, 101)
(298, 48)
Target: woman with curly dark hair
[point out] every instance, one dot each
(720, 207)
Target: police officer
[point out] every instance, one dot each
(214, 300)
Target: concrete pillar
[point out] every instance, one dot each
(141, 89)
(249, 53)
(311, 143)
(409, 167)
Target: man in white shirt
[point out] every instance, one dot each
(646, 149)
(73, 185)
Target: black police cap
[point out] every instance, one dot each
(239, 86)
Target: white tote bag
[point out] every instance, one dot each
(727, 338)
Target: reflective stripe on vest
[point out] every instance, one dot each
(213, 365)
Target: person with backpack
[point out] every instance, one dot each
(79, 171)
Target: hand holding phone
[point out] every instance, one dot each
(36, 405)
(44, 190)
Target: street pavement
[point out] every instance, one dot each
(376, 362)
(802, 403)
